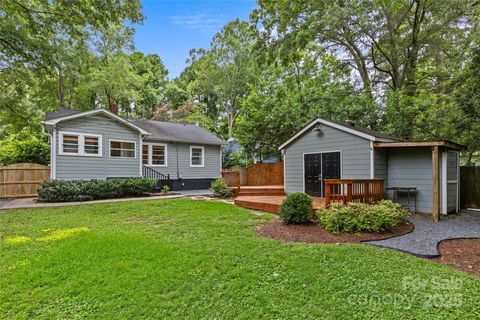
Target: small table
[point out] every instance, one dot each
(407, 190)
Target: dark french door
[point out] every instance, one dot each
(318, 167)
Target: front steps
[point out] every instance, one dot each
(272, 190)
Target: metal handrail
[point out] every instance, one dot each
(148, 172)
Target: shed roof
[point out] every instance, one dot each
(366, 133)
(412, 144)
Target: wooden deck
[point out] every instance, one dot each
(270, 203)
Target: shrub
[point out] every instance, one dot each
(165, 189)
(296, 208)
(135, 186)
(362, 217)
(84, 190)
(18, 148)
(220, 189)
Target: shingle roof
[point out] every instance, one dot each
(62, 112)
(370, 132)
(179, 132)
(159, 130)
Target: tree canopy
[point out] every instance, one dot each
(409, 68)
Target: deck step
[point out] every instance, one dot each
(277, 190)
(261, 203)
(261, 192)
(269, 203)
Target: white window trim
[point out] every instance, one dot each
(150, 154)
(118, 140)
(203, 157)
(81, 144)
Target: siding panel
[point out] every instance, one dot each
(212, 161)
(412, 167)
(355, 156)
(78, 167)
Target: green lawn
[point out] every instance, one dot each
(195, 259)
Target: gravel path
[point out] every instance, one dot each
(427, 234)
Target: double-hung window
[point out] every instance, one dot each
(80, 144)
(154, 154)
(122, 149)
(197, 156)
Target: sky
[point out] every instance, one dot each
(172, 28)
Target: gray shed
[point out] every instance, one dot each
(333, 150)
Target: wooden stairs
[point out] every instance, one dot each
(271, 190)
(265, 198)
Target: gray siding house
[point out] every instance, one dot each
(98, 144)
(333, 150)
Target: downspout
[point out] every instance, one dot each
(178, 172)
(53, 160)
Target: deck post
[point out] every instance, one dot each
(327, 194)
(435, 184)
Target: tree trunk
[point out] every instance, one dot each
(61, 88)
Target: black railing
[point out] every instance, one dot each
(148, 172)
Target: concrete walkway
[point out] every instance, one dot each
(424, 239)
(22, 203)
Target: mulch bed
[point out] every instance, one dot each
(462, 254)
(315, 233)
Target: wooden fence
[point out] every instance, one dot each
(470, 187)
(258, 174)
(242, 174)
(22, 179)
(261, 174)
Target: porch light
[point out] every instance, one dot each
(318, 128)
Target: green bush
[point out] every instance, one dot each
(362, 217)
(220, 189)
(84, 190)
(165, 189)
(22, 148)
(296, 208)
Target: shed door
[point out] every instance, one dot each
(318, 167)
(313, 171)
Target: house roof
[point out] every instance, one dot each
(156, 130)
(64, 114)
(177, 132)
(366, 133)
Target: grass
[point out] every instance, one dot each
(196, 259)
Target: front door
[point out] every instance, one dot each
(318, 167)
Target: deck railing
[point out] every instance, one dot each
(353, 190)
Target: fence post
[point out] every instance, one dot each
(2, 178)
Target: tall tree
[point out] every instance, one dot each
(386, 43)
(226, 70)
(33, 35)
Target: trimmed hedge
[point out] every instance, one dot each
(85, 190)
(362, 217)
(296, 208)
